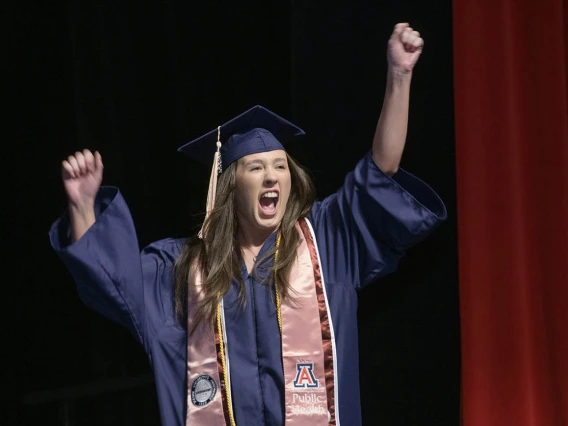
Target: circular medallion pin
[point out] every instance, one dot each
(203, 390)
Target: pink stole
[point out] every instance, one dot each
(308, 352)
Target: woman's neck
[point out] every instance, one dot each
(250, 236)
(251, 243)
(252, 239)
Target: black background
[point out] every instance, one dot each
(135, 81)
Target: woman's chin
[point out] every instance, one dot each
(268, 224)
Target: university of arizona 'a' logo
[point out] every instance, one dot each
(305, 375)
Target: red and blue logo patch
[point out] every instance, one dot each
(305, 375)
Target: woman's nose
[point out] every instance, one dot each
(270, 176)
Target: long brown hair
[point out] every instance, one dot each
(218, 258)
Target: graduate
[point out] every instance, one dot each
(253, 321)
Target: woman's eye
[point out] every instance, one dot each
(255, 168)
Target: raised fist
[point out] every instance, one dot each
(82, 175)
(404, 48)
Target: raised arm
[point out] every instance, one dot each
(96, 240)
(380, 211)
(404, 49)
(82, 175)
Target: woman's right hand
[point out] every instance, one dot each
(82, 174)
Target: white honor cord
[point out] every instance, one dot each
(227, 362)
(335, 376)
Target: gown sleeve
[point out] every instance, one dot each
(364, 229)
(108, 267)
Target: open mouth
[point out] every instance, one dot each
(268, 202)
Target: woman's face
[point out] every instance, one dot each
(262, 190)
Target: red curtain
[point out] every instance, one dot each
(511, 114)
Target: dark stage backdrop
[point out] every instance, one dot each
(137, 81)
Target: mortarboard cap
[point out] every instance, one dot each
(256, 130)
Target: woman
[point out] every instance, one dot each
(253, 321)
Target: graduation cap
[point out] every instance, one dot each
(256, 130)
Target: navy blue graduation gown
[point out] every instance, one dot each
(361, 233)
